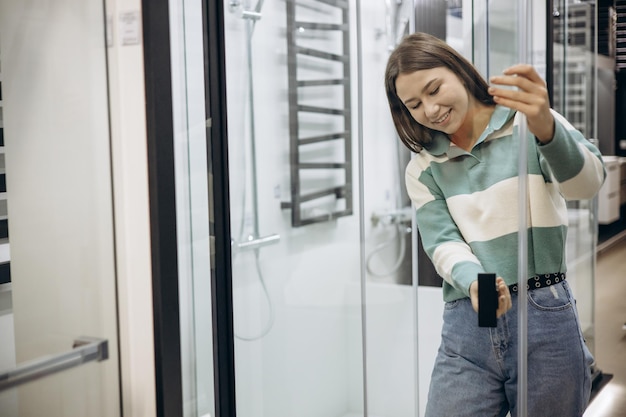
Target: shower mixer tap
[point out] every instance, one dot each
(389, 217)
(255, 243)
(251, 15)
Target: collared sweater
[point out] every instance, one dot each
(467, 202)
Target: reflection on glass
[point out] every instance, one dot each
(192, 207)
(574, 91)
(296, 278)
(305, 274)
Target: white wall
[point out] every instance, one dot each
(132, 227)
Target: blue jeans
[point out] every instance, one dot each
(475, 373)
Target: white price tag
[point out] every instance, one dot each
(130, 24)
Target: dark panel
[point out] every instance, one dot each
(5, 273)
(219, 206)
(160, 136)
(4, 229)
(427, 276)
(620, 108)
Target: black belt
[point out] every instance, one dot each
(540, 281)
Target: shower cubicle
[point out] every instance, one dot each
(336, 311)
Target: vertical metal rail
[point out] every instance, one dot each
(522, 259)
(223, 335)
(250, 24)
(294, 123)
(361, 186)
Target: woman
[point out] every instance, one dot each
(463, 182)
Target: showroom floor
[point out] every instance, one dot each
(610, 334)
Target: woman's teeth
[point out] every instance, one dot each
(442, 117)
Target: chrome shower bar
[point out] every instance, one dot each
(256, 243)
(523, 34)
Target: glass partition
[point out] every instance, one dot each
(574, 96)
(390, 286)
(192, 202)
(337, 311)
(572, 77)
(295, 207)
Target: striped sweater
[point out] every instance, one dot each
(467, 203)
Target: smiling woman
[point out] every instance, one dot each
(437, 99)
(445, 74)
(463, 183)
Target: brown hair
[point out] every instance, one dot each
(421, 51)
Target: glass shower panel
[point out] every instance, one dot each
(294, 207)
(390, 296)
(403, 292)
(192, 202)
(574, 92)
(403, 320)
(574, 81)
(495, 35)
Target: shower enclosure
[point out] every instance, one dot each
(335, 310)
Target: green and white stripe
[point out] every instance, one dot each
(467, 202)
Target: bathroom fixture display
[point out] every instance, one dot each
(254, 241)
(400, 220)
(320, 131)
(5, 264)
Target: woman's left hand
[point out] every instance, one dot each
(530, 98)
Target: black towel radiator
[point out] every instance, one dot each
(329, 197)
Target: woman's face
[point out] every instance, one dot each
(436, 98)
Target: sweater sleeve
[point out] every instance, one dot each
(572, 162)
(452, 257)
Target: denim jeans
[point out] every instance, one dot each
(475, 373)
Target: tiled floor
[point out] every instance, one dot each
(610, 335)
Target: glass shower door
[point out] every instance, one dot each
(570, 72)
(330, 315)
(294, 207)
(574, 96)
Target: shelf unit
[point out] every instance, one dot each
(573, 53)
(5, 266)
(620, 34)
